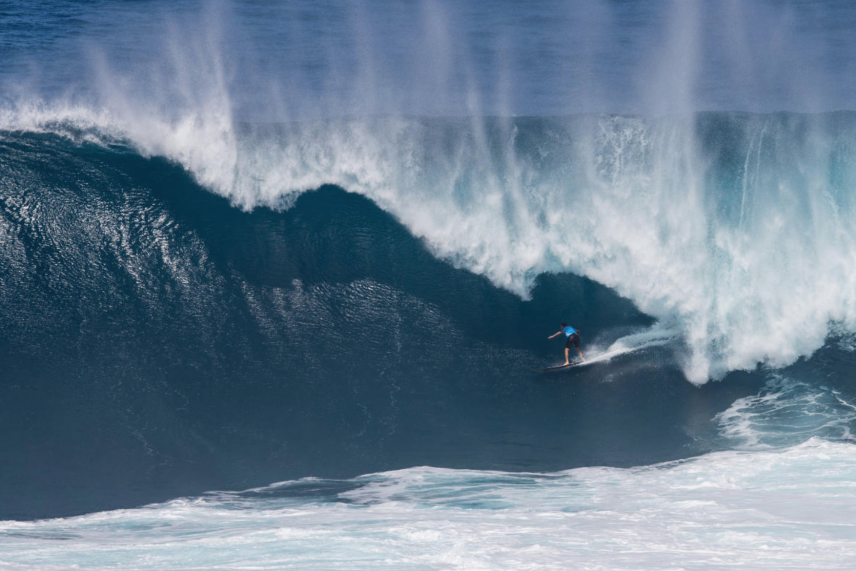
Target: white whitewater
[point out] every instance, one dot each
(786, 509)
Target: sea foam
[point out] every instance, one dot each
(718, 511)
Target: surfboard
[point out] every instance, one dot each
(560, 367)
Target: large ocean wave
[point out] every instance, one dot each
(735, 229)
(324, 244)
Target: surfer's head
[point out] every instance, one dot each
(564, 324)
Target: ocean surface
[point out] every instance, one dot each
(274, 278)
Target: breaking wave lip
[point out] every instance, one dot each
(733, 229)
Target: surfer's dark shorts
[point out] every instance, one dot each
(573, 341)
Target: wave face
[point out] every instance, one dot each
(183, 344)
(159, 342)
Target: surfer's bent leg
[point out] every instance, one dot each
(575, 341)
(572, 339)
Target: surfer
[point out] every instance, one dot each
(573, 340)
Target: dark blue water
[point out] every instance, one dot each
(232, 254)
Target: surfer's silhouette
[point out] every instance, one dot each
(573, 340)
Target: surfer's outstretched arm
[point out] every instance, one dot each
(554, 334)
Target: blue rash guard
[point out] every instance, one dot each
(568, 331)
